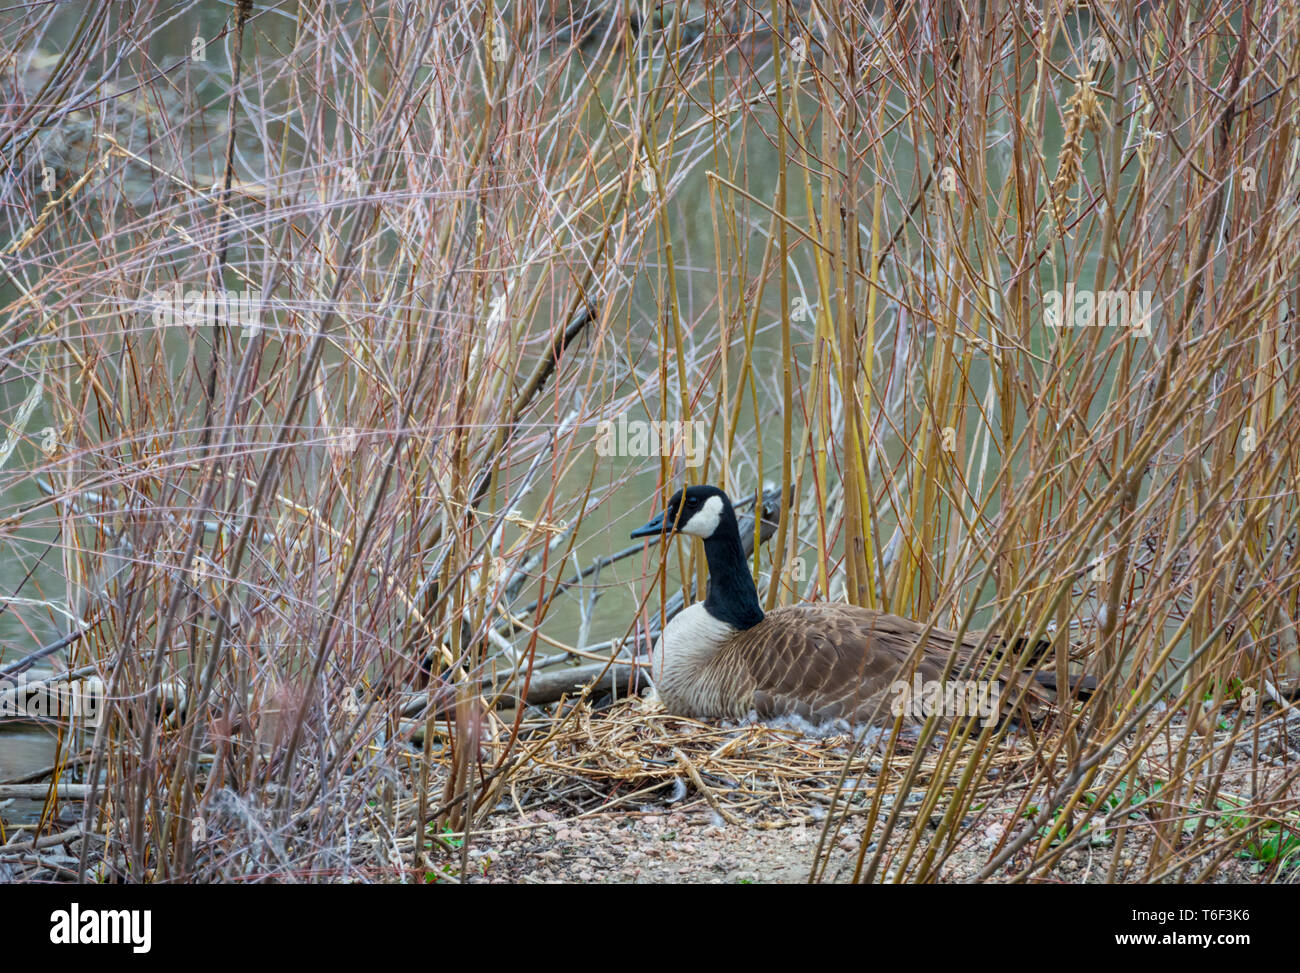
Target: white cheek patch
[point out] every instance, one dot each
(706, 520)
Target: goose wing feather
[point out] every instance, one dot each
(827, 661)
(836, 661)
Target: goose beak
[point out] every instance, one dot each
(652, 529)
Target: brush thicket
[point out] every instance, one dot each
(831, 233)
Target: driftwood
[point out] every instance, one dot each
(48, 841)
(549, 686)
(38, 792)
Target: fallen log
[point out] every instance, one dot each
(38, 792)
(549, 686)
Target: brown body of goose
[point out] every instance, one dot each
(724, 657)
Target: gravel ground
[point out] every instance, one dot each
(695, 847)
(653, 848)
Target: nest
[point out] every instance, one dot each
(633, 756)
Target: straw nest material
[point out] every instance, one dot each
(633, 754)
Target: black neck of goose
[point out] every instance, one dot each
(732, 596)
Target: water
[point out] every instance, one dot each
(24, 750)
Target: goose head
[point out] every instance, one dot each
(701, 511)
(706, 512)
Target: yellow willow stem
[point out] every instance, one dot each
(860, 444)
(787, 350)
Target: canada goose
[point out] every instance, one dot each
(725, 657)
